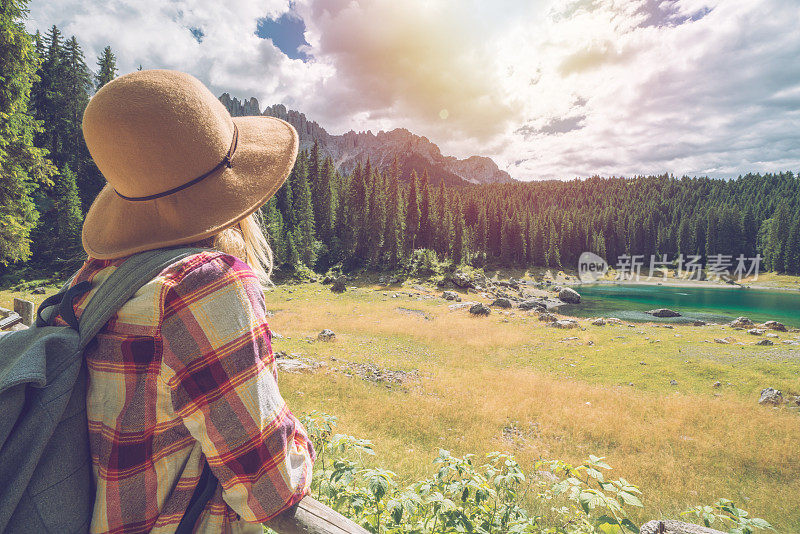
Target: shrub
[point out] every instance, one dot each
(423, 262)
(482, 496)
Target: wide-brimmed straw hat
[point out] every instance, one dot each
(179, 168)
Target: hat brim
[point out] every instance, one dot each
(265, 154)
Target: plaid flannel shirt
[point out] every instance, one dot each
(182, 374)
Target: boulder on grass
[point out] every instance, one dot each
(775, 325)
(502, 303)
(755, 331)
(663, 312)
(564, 323)
(547, 317)
(599, 322)
(479, 309)
(451, 295)
(770, 396)
(532, 304)
(765, 342)
(462, 280)
(338, 285)
(741, 322)
(326, 335)
(569, 295)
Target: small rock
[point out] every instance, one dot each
(642, 363)
(451, 295)
(547, 317)
(564, 323)
(756, 331)
(39, 291)
(717, 384)
(421, 288)
(480, 309)
(765, 342)
(725, 340)
(461, 279)
(502, 303)
(326, 335)
(532, 304)
(663, 312)
(673, 382)
(698, 322)
(741, 322)
(460, 306)
(773, 336)
(569, 295)
(770, 396)
(338, 285)
(599, 322)
(293, 366)
(775, 325)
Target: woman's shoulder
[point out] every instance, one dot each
(197, 276)
(210, 266)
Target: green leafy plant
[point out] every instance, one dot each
(724, 511)
(489, 495)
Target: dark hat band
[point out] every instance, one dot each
(226, 162)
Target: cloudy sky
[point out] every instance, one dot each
(548, 88)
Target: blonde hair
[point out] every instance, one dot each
(246, 240)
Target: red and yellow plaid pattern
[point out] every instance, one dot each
(181, 375)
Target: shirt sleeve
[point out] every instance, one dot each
(218, 362)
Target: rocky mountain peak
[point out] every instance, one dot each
(412, 152)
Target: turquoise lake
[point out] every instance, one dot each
(630, 301)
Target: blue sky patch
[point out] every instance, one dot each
(286, 32)
(198, 34)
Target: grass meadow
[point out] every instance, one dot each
(508, 382)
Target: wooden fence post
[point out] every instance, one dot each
(25, 310)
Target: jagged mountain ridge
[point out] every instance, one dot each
(413, 152)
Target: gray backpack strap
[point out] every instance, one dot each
(121, 285)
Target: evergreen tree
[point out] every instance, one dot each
(481, 229)
(457, 253)
(376, 217)
(106, 68)
(49, 91)
(356, 215)
(412, 215)
(22, 166)
(791, 258)
(273, 221)
(425, 236)
(393, 227)
(67, 219)
(303, 230)
(440, 240)
(320, 174)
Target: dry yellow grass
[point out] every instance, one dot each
(682, 445)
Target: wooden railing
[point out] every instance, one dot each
(312, 517)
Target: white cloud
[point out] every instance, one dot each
(554, 88)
